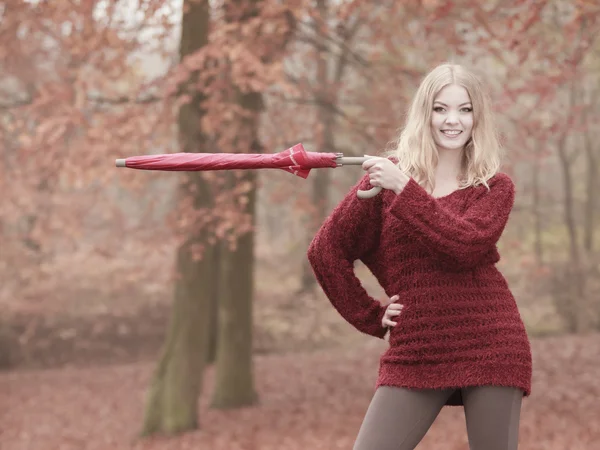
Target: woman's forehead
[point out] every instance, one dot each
(453, 94)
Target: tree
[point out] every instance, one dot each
(173, 398)
(550, 100)
(252, 22)
(330, 70)
(223, 110)
(67, 75)
(234, 370)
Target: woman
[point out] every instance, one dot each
(456, 335)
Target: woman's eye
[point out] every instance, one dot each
(440, 109)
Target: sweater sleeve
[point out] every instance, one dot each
(468, 239)
(349, 233)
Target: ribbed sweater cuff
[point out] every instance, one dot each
(410, 201)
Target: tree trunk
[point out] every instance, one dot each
(573, 280)
(234, 369)
(173, 397)
(214, 298)
(591, 206)
(325, 139)
(537, 213)
(592, 162)
(576, 279)
(319, 197)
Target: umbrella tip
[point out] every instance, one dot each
(120, 163)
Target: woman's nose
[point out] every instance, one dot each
(452, 118)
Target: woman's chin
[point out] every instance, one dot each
(450, 147)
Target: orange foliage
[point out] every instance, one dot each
(84, 83)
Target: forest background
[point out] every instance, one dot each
(151, 309)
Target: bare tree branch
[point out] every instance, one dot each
(124, 99)
(93, 99)
(318, 41)
(15, 104)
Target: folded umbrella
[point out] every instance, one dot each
(294, 160)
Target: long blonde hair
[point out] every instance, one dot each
(415, 148)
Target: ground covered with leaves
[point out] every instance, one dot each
(311, 400)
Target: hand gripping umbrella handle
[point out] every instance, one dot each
(354, 161)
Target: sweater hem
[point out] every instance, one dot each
(455, 375)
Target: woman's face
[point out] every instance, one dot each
(452, 118)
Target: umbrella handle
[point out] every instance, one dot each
(368, 194)
(355, 161)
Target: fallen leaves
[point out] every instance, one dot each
(310, 400)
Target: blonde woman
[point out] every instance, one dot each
(456, 335)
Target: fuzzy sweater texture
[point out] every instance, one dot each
(460, 325)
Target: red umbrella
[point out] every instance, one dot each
(294, 160)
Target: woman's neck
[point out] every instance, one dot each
(449, 166)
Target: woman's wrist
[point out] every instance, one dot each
(399, 187)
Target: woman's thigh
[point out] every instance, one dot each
(492, 414)
(398, 418)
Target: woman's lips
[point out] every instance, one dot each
(451, 134)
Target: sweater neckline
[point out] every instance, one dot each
(442, 197)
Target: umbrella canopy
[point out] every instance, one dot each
(294, 160)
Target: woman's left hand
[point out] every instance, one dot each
(384, 173)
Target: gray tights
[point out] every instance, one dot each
(398, 418)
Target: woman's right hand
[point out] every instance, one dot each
(392, 310)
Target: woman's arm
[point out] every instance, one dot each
(467, 240)
(350, 232)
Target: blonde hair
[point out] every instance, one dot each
(415, 148)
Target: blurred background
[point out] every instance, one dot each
(154, 309)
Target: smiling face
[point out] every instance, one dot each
(452, 118)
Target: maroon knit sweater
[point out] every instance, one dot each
(460, 325)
